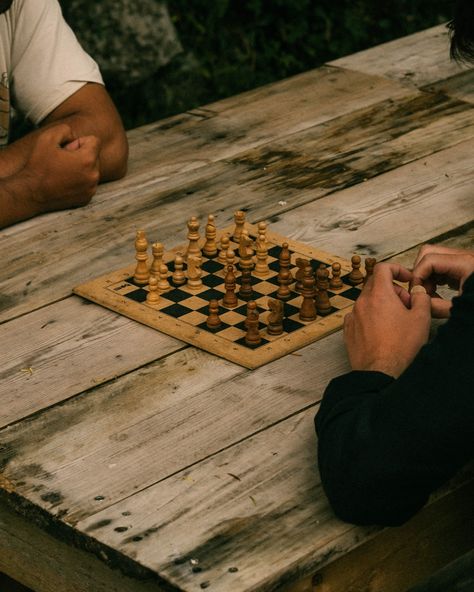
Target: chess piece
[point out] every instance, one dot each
(300, 264)
(355, 277)
(245, 251)
(239, 219)
(369, 265)
(283, 292)
(230, 299)
(157, 250)
(284, 261)
(142, 273)
(193, 249)
(194, 273)
(275, 318)
(261, 249)
(178, 278)
(210, 246)
(335, 282)
(213, 321)
(224, 244)
(308, 307)
(163, 283)
(245, 291)
(323, 304)
(153, 297)
(230, 257)
(252, 336)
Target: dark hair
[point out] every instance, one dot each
(462, 31)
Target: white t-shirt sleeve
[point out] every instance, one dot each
(48, 64)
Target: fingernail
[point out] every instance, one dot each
(418, 290)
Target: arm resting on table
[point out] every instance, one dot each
(385, 444)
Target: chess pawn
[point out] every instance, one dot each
(323, 304)
(213, 321)
(153, 296)
(193, 249)
(369, 267)
(283, 292)
(178, 278)
(261, 268)
(230, 299)
(239, 219)
(301, 265)
(224, 242)
(157, 250)
(210, 246)
(335, 282)
(163, 283)
(194, 273)
(245, 292)
(252, 336)
(275, 318)
(355, 277)
(284, 261)
(308, 307)
(230, 257)
(141, 274)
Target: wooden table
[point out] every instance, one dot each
(130, 461)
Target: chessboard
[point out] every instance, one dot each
(182, 311)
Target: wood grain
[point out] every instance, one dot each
(460, 86)
(266, 182)
(414, 60)
(67, 348)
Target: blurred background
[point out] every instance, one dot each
(162, 58)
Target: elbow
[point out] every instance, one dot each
(366, 502)
(114, 158)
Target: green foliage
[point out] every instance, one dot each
(231, 46)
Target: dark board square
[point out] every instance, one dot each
(211, 294)
(351, 293)
(175, 310)
(241, 341)
(289, 309)
(242, 326)
(216, 330)
(254, 280)
(130, 280)
(211, 266)
(274, 251)
(242, 310)
(176, 295)
(290, 325)
(138, 295)
(205, 309)
(212, 280)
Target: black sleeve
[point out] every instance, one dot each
(385, 444)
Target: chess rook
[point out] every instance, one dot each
(245, 291)
(252, 337)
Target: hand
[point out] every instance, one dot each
(387, 326)
(437, 266)
(63, 170)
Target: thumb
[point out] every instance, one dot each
(420, 300)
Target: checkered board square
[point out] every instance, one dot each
(182, 312)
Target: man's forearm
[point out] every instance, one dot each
(13, 157)
(17, 199)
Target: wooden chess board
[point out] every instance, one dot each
(182, 312)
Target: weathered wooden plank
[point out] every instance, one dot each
(45, 564)
(67, 348)
(414, 60)
(337, 154)
(381, 217)
(460, 86)
(152, 423)
(257, 507)
(233, 125)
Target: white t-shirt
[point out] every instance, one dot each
(41, 61)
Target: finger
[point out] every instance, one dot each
(420, 301)
(61, 134)
(90, 143)
(446, 268)
(440, 308)
(386, 273)
(402, 294)
(72, 146)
